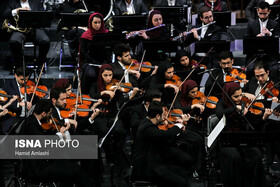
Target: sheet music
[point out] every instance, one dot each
(272, 116)
(215, 132)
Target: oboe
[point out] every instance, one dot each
(136, 33)
(185, 34)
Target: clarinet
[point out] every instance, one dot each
(136, 33)
(185, 34)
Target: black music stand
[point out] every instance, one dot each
(129, 22)
(205, 46)
(35, 19)
(261, 45)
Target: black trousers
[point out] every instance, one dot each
(36, 35)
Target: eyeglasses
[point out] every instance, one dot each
(208, 17)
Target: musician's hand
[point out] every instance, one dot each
(143, 34)
(137, 74)
(134, 92)
(95, 113)
(131, 34)
(22, 8)
(251, 97)
(275, 99)
(267, 113)
(195, 34)
(245, 81)
(186, 117)
(108, 92)
(155, 71)
(63, 129)
(73, 122)
(13, 98)
(265, 31)
(176, 89)
(201, 107)
(4, 112)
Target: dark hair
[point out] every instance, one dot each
(155, 108)
(43, 105)
(151, 94)
(263, 5)
(55, 92)
(225, 55)
(120, 49)
(19, 72)
(261, 65)
(97, 16)
(203, 10)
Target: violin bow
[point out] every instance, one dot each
(247, 66)
(211, 90)
(187, 79)
(37, 83)
(78, 93)
(144, 53)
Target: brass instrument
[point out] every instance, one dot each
(7, 25)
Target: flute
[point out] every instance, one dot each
(185, 34)
(136, 33)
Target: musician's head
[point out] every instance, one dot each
(19, 75)
(184, 57)
(165, 70)
(234, 92)
(206, 15)
(155, 19)
(122, 52)
(226, 60)
(43, 108)
(263, 10)
(210, 1)
(261, 72)
(96, 21)
(106, 72)
(151, 95)
(58, 97)
(189, 89)
(156, 112)
(65, 84)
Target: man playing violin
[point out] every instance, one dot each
(262, 78)
(13, 87)
(223, 74)
(153, 153)
(66, 172)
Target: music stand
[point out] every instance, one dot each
(35, 19)
(174, 14)
(129, 22)
(74, 19)
(261, 45)
(205, 46)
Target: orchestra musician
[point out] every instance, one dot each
(240, 166)
(211, 32)
(64, 171)
(226, 62)
(159, 3)
(250, 9)
(130, 7)
(214, 5)
(92, 52)
(65, 84)
(153, 154)
(17, 38)
(13, 87)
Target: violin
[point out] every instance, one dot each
(82, 111)
(270, 91)
(52, 124)
(175, 81)
(41, 90)
(4, 96)
(123, 87)
(12, 114)
(195, 64)
(256, 107)
(71, 100)
(209, 102)
(146, 66)
(234, 75)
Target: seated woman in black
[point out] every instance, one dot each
(92, 50)
(240, 166)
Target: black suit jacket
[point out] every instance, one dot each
(158, 3)
(151, 146)
(213, 33)
(137, 114)
(35, 5)
(11, 88)
(253, 28)
(139, 6)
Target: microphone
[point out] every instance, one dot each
(206, 71)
